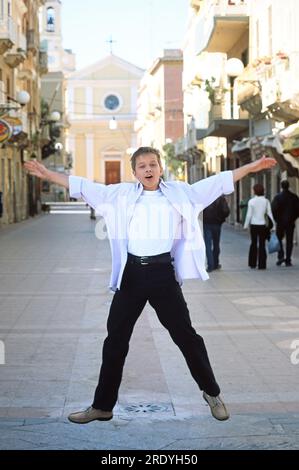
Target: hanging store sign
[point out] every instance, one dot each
(5, 131)
(15, 123)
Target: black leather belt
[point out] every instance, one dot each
(146, 260)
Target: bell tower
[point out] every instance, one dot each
(51, 34)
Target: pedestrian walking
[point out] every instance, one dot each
(259, 208)
(156, 242)
(213, 217)
(285, 208)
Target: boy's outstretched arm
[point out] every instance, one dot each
(258, 165)
(37, 169)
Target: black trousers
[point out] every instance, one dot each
(156, 284)
(257, 250)
(288, 232)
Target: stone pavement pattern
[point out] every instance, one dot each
(54, 302)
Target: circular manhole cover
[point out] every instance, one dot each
(147, 408)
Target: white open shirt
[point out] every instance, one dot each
(116, 203)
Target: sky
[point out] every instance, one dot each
(141, 28)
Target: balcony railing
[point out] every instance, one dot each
(7, 34)
(8, 29)
(269, 67)
(230, 7)
(212, 8)
(248, 84)
(279, 80)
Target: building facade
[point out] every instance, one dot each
(250, 108)
(101, 107)
(218, 31)
(268, 88)
(160, 103)
(61, 62)
(20, 70)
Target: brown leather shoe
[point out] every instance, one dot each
(218, 408)
(90, 414)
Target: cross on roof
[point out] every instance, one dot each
(111, 41)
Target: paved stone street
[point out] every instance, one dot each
(54, 302)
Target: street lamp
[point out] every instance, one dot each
(54, 116)
(113, 124)
(234, 68)
(50, 118)
(49, 130)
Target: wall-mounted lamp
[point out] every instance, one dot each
(21, 100)
(113, 124)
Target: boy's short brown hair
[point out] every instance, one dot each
(144, 151)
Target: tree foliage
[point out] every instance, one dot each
(174, 164)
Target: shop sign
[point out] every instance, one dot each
(5, 131)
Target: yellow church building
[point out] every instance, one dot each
(101, 110)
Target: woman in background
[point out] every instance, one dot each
(258, 208)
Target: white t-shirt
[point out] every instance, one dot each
(153, 226)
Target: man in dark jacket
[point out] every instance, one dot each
(213, 217)
(285, 209)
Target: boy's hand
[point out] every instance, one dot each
(36, 168)
(262, 164)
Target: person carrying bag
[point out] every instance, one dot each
(258, 208)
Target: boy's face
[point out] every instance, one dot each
(148, 171)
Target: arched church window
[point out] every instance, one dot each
(50, 19)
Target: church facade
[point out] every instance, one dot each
(101, 110)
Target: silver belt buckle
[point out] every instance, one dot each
(142, 262)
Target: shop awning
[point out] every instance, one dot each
(271, 144)
(290, 140)
(241, 145)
